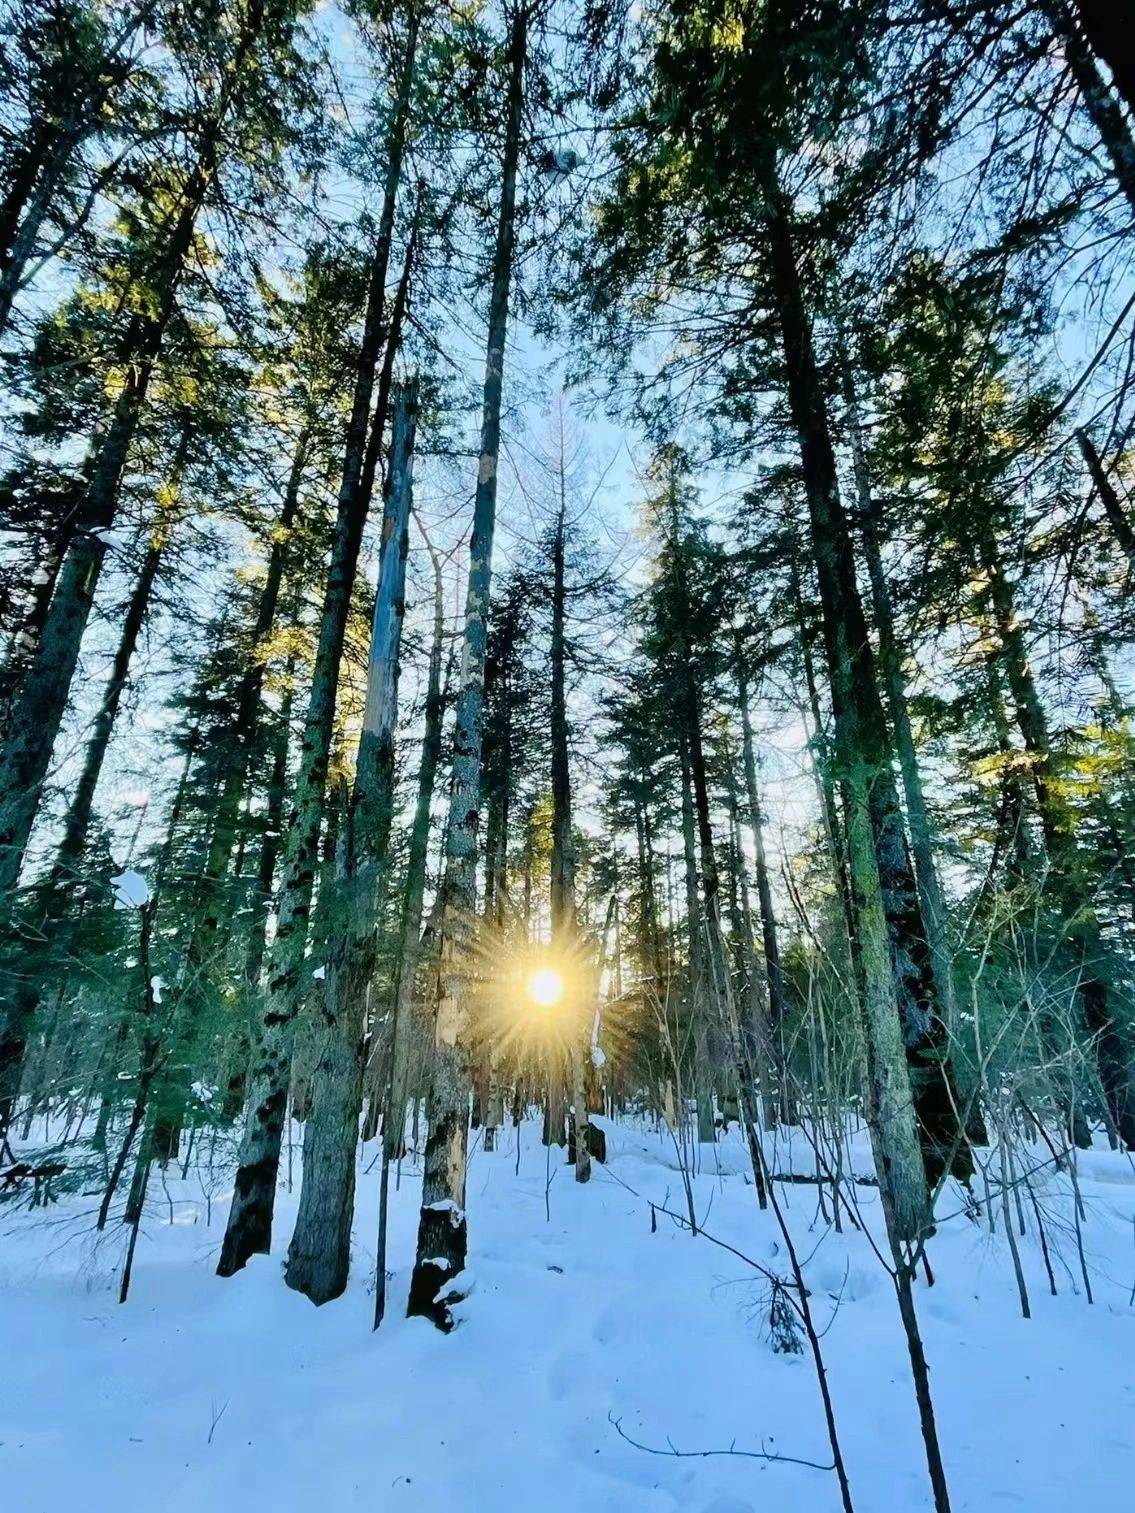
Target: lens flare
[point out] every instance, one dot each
(545, 987)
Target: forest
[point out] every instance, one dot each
(567, 754)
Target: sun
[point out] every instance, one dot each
(545, 986)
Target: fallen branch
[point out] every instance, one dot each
(811, 1178)
(672, 1450)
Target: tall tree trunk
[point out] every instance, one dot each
(753, 1019)
(28, 630)
(243, 735)
(34, 182)
(774, 972)
(565, 926)
(650, 941)
(249, 1230)
(699, 973)
(269, 857)
(377, 433)
(822, 763)
(396, 1086)
(718, 962)
(442, 1232)
(931, 899)
(911, 1118)
(259, 902)
(894, 683)
(1104, 24)
(320, 1251)
(32, 189)
(17, 214)
(1011, 835)
(562, 880)
(1104, 111)
(686, 695)
(499, 755)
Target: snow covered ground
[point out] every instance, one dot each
(201, 1394)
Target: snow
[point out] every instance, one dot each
(112, 536)
(198, 1390)
(446, 1205)
(130, 890)
(156, 986)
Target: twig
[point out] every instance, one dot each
(672, 1450)
(218, 1414)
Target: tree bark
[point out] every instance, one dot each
(931, 899)
(753, 1017)
(700, 986)
(22, 647)
(1104, 111)
(272, 834)
(19, 224)
(774, 973)
(249, 1229)
(396, 1085)
(909, 1151)
(1104, 24)
(442, 1233)
(320, 1251)
(565, 926)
